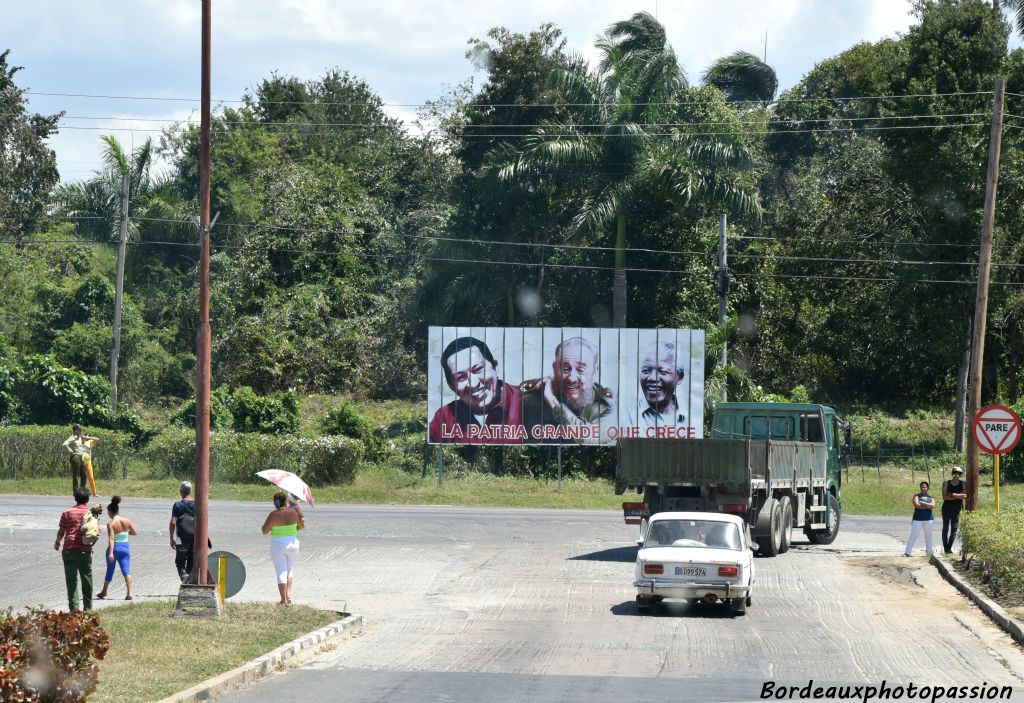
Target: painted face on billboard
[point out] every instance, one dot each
(473, 378)
(575, 369)
(659, 376)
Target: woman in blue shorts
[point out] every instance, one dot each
(118, 552)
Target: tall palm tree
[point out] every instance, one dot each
(743, 77)
(615, 141)
(1016, 10)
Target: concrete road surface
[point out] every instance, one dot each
(509, 605)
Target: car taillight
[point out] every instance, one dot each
(728, 570)
(734, 507)
(654, 569)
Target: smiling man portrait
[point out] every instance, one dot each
(660, 375)
(486, 409)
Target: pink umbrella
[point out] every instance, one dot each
(288, 481)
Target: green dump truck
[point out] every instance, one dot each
(777, 465)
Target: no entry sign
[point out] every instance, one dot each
(996, 429)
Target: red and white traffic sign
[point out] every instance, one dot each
(996, 429)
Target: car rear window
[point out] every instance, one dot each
(693, 533)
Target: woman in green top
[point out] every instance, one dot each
(283, 525)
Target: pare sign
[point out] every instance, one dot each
(997, 429)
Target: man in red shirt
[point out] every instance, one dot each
(77, 555)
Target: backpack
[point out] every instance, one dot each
(185, 526)
(90, 529)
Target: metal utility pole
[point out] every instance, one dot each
(723, 291)
(115, 353)
(981, 298)
(202, 478)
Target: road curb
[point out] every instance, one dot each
(261, 666)
(996, 612)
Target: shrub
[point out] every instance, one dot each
(48, 656)
(220, 411)
(345, 419)
(236, 457)
(242, 410)
(993, 548)
(29, 451)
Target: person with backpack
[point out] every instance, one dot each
(79, 530)
(183, 530)
(118, 551)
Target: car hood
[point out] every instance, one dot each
(699, 555)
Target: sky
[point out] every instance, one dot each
(408, 52)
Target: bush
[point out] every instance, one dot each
(242, 410)
(993, 548)
(236, 457)
(48, 656)
(29, 451)
(345, 419)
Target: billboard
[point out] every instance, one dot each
(563, 385)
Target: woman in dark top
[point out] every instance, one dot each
(953, 493)
(922, 520)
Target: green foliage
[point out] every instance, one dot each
(346, 420)
(242, 410)
(29, 451)
(993, 549)
(47, 656)
(237, 457)
(743, 77)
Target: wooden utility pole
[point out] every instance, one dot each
(115, 353)
(981, 297)
(723, 293)
(202, 477)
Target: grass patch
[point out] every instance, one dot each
(889, 491)
(993, 549)
(153, 654)
(870, 495)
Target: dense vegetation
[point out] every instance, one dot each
(556, 193)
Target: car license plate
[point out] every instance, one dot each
(691, 571)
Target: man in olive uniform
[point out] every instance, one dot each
(569, 398)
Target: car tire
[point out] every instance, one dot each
(770, 543)
(827, 536)
(748, 601)
(644, 603)
(739, 606)
(786, 518)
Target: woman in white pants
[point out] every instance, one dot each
(283, 525)
(922, 520)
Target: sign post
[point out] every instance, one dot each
(996, 430)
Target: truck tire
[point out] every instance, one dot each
(770, 543)
(786, 516)
(827, 536)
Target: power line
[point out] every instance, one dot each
(515, 105)
(894, 242)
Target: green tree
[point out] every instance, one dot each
(617, 146)
(743, 77)
(28, 166)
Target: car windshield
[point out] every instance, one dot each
(693, 533)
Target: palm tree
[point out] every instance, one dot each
(1016, 10)
(743, 77)
(615, 141)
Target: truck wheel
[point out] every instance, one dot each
(786, 516)
(770, 543)
(827, 536)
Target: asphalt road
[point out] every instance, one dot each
(508, 605)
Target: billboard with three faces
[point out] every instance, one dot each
(563, 385)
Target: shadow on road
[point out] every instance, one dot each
(622, 554)
(685, 609)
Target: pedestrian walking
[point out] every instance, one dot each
(922, 520)
(118, 551)
(76, 449)
(954, 491)
(183, 530)
(76, 553)
(283, 525)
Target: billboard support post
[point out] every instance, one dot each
(559, 470)
(440, 466)
(426, 454)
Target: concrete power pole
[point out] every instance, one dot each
(723, 292)
(115, 354)
(981, 298)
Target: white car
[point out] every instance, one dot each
(695, 556)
